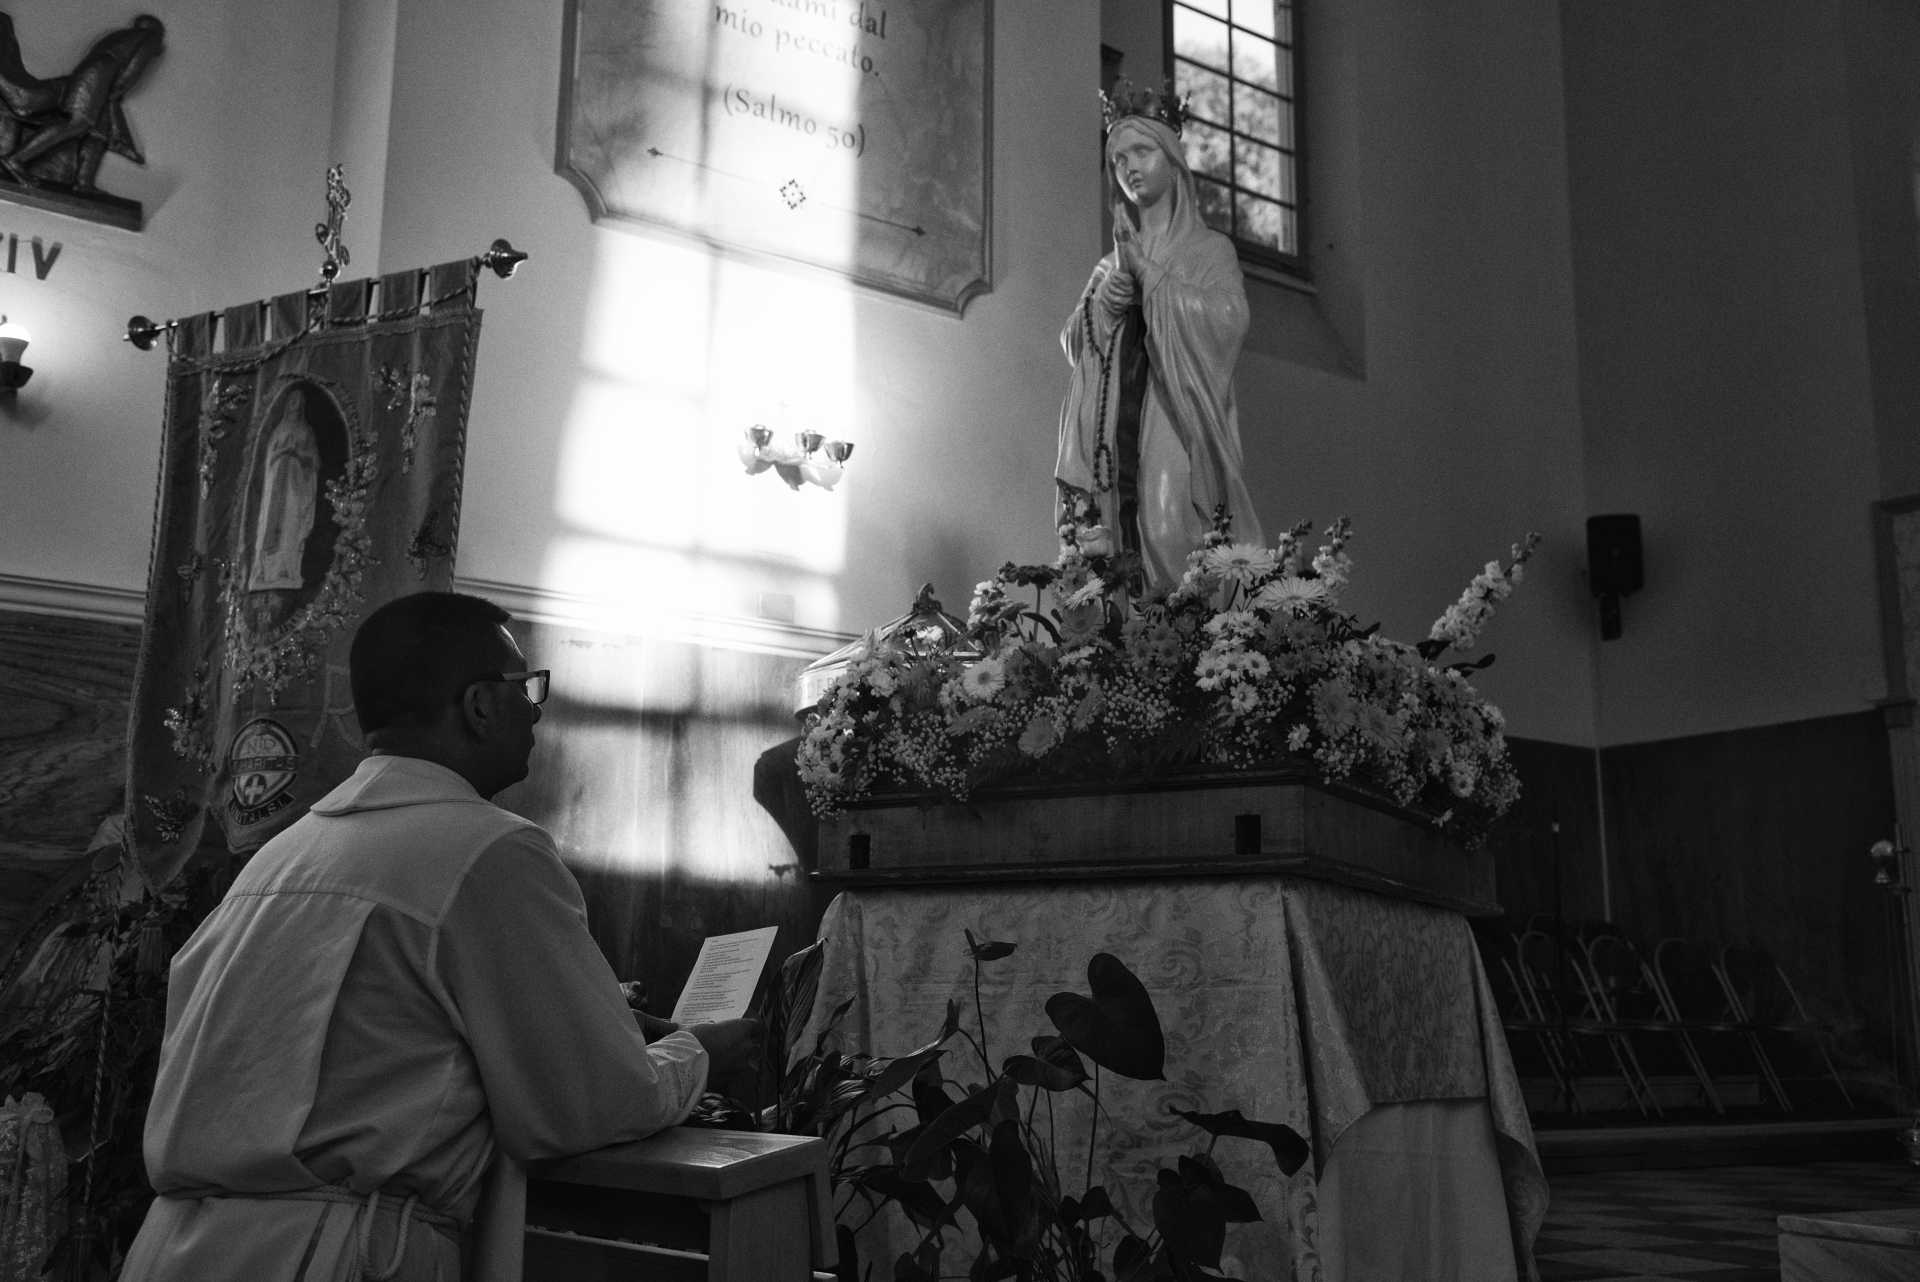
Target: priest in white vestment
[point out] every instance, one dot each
(396, 990)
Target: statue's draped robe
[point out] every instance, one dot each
(1194, 304)
(397, 986)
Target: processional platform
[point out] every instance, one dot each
(1308, 951)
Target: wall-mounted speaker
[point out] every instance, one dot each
(1613, 555)
(1614, 567)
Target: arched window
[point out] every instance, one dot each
(1237, 62)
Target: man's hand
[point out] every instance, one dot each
(652, 1027)
(733, 1045)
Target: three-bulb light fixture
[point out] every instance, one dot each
(811, 458)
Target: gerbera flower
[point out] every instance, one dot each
(1092, 590)
(982, 680)
(1292, 593)
(1240, 563)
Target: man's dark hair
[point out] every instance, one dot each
(413, 656)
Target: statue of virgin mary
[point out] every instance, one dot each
(1149, 432)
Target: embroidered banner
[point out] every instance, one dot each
(310, 471)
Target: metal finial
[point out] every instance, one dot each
(503, 258)
(329, 232)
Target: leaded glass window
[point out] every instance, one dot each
(1235, 62)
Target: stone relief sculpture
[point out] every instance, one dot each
(54, 132)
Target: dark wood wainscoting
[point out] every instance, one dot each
(1760, 836)
(64, 690)
(1538, 870)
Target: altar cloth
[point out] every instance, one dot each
(1292, 1000)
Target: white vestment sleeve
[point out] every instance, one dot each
(562, 1060)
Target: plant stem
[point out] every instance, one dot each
(1093, 1123)
(980, 1015)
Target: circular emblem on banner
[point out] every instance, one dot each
(262, 764)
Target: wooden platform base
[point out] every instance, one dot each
(1224, 824)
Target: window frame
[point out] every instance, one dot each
(1254, 253)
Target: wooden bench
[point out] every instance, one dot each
(688, 1203)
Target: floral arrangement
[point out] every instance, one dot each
(1066, 671)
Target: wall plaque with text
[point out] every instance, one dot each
(846, 134)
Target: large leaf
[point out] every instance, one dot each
(887, 1076)
(919, 1199)
(795, 986)
(1202, 1174)
(998, 1187)
(1081, 1210)
(1191, 1221)
(1053, 1066)
(1289, 1150)
(833, 1022)
(1117, 1027)
(930, 1098)
(1135, 1261)
(922, 1266)
(963, 1116)
(847, 1268)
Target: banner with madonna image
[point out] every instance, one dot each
(310, 471)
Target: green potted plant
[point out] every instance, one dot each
(962, 1145)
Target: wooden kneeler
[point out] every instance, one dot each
(688, 1203)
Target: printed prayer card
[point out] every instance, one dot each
(724, 977)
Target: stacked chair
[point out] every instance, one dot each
(1688, 970)
(1554, 1007)
(1534, 1041)
(1625, 996)
(1771, 1016)
(1590, 1010)
(1556, 966)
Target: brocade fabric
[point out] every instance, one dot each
(1290, 999)
(310, 470)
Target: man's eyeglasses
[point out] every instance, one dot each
(532, 684)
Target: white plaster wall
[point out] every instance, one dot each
(1726, 379)
(1442, 243)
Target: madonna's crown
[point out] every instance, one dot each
(1163, 105)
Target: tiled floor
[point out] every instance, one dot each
(1710, 1225)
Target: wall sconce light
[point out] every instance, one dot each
(811, 458)
(1886, 856)
(13, 345)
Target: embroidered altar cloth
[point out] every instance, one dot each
(1292, 1000)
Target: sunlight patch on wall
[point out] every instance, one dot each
(683, 353)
